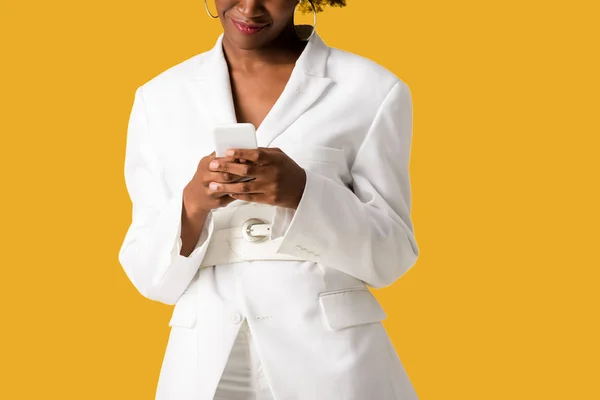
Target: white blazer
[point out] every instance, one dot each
(348, 122)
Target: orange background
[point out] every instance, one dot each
(503, 302)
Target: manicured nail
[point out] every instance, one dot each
(214, 185)
(214, 164)
(230, 152)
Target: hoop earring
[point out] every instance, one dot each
(208, 11)
(314, 18)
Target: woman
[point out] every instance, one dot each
(270, 277)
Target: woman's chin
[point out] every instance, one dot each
(247, 42)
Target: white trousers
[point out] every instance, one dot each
(243, 377)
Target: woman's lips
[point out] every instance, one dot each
(247, 29)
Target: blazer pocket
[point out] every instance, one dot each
(184, 312)
(319, 154)
(351, 306)
(327, 161)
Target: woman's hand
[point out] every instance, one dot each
(277, 179)
(198, 198)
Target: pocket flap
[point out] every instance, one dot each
(352, 306)
(184, 312)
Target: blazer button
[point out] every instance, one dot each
(236, 318)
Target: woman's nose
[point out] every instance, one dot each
(251, 8)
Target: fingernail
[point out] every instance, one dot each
(214, 164)
(230, 152)
(214, 186)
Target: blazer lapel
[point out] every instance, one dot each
(306, 84)
(211, 90)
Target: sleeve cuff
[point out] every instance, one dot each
(178, 270)
(299, 236)
(281, 222)
(202, 243)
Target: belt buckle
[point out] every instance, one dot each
(247, 230)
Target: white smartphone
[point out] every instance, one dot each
(228, 136)
(234, 136)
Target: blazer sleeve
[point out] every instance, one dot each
(150, 252)
(366, 232)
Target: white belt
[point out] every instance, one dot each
(242, 233)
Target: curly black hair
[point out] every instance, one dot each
(319, 4)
